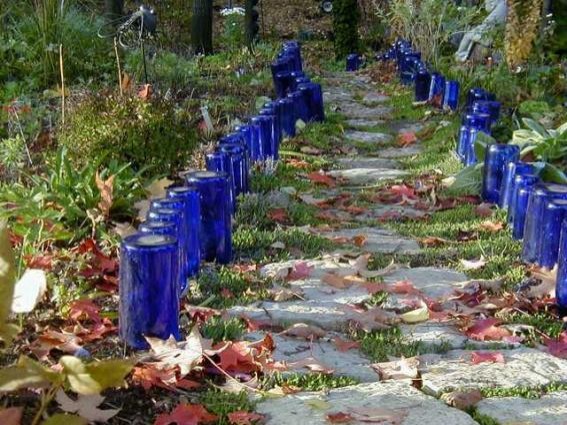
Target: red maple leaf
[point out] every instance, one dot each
(486, 329)
(486, 357)
(343, 346)
(43, 262)
(85, 309)
(300, 271)
(279, 215)
(186, 414)
(339, 418)
(245, 418)
(323, 179)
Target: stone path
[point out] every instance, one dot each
(329, 290)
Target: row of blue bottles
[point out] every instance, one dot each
(353, 62)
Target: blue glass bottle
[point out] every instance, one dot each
(287, 116)
(271, 144)
(215, 233)
(469, 140)
(176, 216)
(436, 89)
(299, 106)
(480, 121)
(547, 248)
(246, 132)
(471, 125)
(149, 298)
(422, 85)
(544, 193)
(222, 163)
(475, 94)
(190, 197)
(314, 95)
(561, 284)
(490, 107)
(236, 139)
(497, 155)
(520, 180)
(159, 228)
(521, 201)
(352, 62)
(511, 170)
(451, 98)
(295, 75)
(238, 169)
(262, 137)
(283, 82)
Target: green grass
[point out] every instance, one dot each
(219, 329)
(380, 345)
(324, 135)
(524, 392)
(222, 403)
(256, 245)
(308, 382)
(402, 105)
(480, 418)
(543, 322)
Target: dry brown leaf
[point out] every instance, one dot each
(373, 319)
(359, 240)
(433, 241)
(339, 282)
(312, 364)
(106, 188)
(491, 226)
(302, 330)
(281, 294)
(462, 399)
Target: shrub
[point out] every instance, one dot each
(146, 133)
(345, 27)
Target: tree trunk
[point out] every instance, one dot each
(345, 27)
(202, 26)
(113, 9)
(251, 21)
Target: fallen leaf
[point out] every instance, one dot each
(483, 210)
(339, 418)
(50, 340)
(245, 418)
(279, 215)
(85, 406)
(29, 290)
(158, 188)
(557, 347)
(280, 294)
(359, 240)
(300, 270)
(85, 309)
(486, 329)
(11, 416)
(416, 316)
(186, 414)
(312, 364)
(491, 226)
(343, 346)
(433, 241)
(302, 330)
(185, 355)
(145, 92)
(486, 357)
(106, 189)
(378, 415)
(321, 178)
(373, 319)
(397, 369)
(474, 264)
(336, 281)
(462, 400)
(406, 138)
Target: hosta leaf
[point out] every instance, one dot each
(7, 283)
(536, 127)
(551, 173)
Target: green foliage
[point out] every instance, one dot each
(233, 31)
(480, 418)
(221, 403)
(545, 144)
(345, 27)
(252, 212)
(166, 70)
(12, 156)
(68, 196)
(308, 382)
(219, 329)
(150, 134)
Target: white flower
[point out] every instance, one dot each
(232, 11)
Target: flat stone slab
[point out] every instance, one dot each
(366, 176)
(523, 367)
(550, 409)
(431, 333)
(366, 162)
(433, 282)
(399, 152)
(336, 95)
(408, 127)
(395, 398)
(349, 363)
(368, 137)
(389, 211)
(373, 98)
(378, 240)
(356, 110)
(363, 123)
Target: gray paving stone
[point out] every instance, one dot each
(367, 176)
(368, 137)
(363, 123)
(378, 240)
(373, 98)
(354, 110)
(336, 95)
(523, 367)
(399, 152)
(433, 333)
(433, 282)
(551, 409)
(349, 363)
(408, 127)
(380, 211)
(366, 162)
(395, 397)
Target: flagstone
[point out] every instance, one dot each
(434, 333)
(368, 137)
(378, 240)
(365, 176)
(396, 398)
(432, 282)
(363, 123)
(397, 152)
(348, 363)
(366, 162)
(550, 409)
(523, 367)
(354, 110)
(373, 98)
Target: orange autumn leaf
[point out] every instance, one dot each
(279, 215)
(323, 179)
(106, 188)
(343, 345)
(359, 240)
(186, 414)
(491, 226)
(245, 418)
(406, 138)
(145, 92)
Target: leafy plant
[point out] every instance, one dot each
(345, 26)
(7, 282)
(522, 28)
(149, 134)
(546, 145)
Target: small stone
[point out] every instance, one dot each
(400, 152)
(368, 137)
(550, 409)
(523, 367)
(398, 397)
(366, 176)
